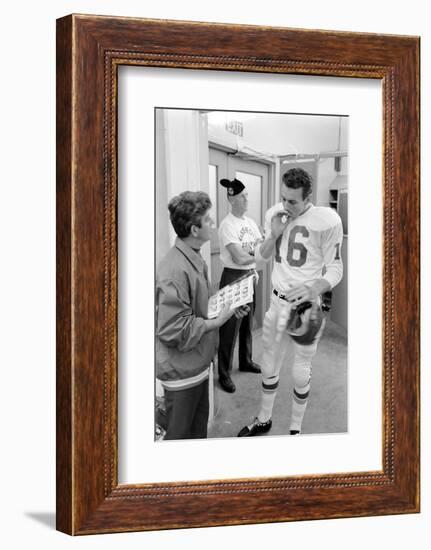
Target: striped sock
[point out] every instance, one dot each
(299, 404)
(269, 391)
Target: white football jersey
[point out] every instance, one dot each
(308, 249)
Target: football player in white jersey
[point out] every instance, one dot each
(305, 242)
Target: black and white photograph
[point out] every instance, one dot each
(222, 144)
(251, 273)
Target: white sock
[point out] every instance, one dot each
(269, 391)
(299, 404)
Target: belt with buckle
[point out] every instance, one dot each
(318, 300)
(279, 295)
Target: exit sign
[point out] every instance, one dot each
(235, 127)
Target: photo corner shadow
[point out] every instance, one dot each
(45, 518)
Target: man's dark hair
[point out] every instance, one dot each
(186, 210)
(297, 178)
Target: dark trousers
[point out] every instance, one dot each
(187, 412)
(229, 331)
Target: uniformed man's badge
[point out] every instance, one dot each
(230, 191)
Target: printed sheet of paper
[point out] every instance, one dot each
(239, 293)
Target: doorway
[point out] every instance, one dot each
(258, 178)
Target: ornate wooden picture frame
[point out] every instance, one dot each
(89, 51)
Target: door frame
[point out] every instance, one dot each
(273, 169)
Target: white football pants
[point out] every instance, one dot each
(275, 342)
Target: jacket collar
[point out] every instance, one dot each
(193, 257)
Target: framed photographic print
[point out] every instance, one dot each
(245, 163)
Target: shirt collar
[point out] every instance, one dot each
(193, 257)
(308, 207)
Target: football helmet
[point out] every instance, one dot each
(301, 327)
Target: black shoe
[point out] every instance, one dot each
(227, 385)
(295, 432)
(251, 367)
(255, 428)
